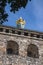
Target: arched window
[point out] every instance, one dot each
(12, 48)
(32, 51)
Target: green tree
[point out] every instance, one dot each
(15, 6)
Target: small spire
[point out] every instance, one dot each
(20, 17)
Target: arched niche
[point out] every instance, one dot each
(32, 51)
(12, 47)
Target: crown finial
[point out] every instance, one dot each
(20, 23)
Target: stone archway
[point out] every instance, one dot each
(32, 51)
(12, 47)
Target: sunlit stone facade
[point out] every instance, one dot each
(20, 46)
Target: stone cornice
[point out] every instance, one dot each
(20, 32)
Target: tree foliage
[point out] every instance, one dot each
(15, 6)
(3, 14)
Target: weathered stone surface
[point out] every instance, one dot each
(20, 57)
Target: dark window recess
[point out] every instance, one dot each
(29, 53)
(12, 48)
(19, 33)
(38, 36)
(1, 29)
(32, 51)
(13, 31)
(7, 31)
(42, 36)
(32, 35)
(9, 51)
(25, 33)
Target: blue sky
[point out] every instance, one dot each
(32, 14)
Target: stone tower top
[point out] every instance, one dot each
(20, 23)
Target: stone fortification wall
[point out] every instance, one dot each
(27, 50)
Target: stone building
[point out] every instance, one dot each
(20, 46)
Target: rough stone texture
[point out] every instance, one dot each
(21, 58)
